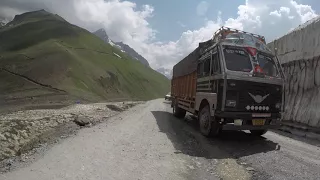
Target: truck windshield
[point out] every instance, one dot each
(267, 64)
(237, 60)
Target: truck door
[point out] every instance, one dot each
(208, 68)
(217, 78)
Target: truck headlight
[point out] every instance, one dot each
(278, 105)
(231, 103)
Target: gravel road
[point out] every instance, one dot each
(147, 142)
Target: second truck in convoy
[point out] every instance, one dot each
(231, 82)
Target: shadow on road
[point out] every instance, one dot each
(186, 138)
(313, 142)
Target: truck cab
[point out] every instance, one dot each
(239, 84)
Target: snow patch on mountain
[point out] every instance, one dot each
(3, 22)
(166, 72)
(101, 33)
(111, 42)
(127, 49)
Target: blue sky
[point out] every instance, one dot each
(168, 15)
(171, 18)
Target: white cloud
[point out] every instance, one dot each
(202, 8)
(167, 54)
(285, 10)
(7, 13)
(305, 11)
(121, 19)
(125, 21)
(275, 13)
(253, 16)
(278, 13)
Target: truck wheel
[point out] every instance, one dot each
(258, 132)
(178, 112)
(209, 127)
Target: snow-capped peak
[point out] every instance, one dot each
(101, 33)
(166, 72)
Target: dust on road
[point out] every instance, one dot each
(147, 142)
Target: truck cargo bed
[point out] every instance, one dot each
(184, 87)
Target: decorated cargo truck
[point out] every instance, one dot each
(230, 82)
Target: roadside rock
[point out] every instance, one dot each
(82, 120)
(114, 107)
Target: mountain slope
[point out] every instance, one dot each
(126, 48)
(57, 55)
(101, 33)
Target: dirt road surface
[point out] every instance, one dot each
(147, 142)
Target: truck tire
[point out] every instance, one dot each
(178, 112)
(209, 127)
(258, 132)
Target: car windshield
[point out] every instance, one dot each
(237, 60)
(267, 64)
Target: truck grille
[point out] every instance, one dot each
(270, 94)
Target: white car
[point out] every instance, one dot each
(168, 96)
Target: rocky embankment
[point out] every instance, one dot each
(299, 54)
(21, 131)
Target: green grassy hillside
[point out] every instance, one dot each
(39, 48)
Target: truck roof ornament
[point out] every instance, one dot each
(235, 37)
(252, 51)
(222, 33)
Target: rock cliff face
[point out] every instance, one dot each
(299, 54)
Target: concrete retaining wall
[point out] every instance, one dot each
(299, 53)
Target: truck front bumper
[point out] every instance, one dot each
(233, 127)
(246, 115)
(244, 120)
